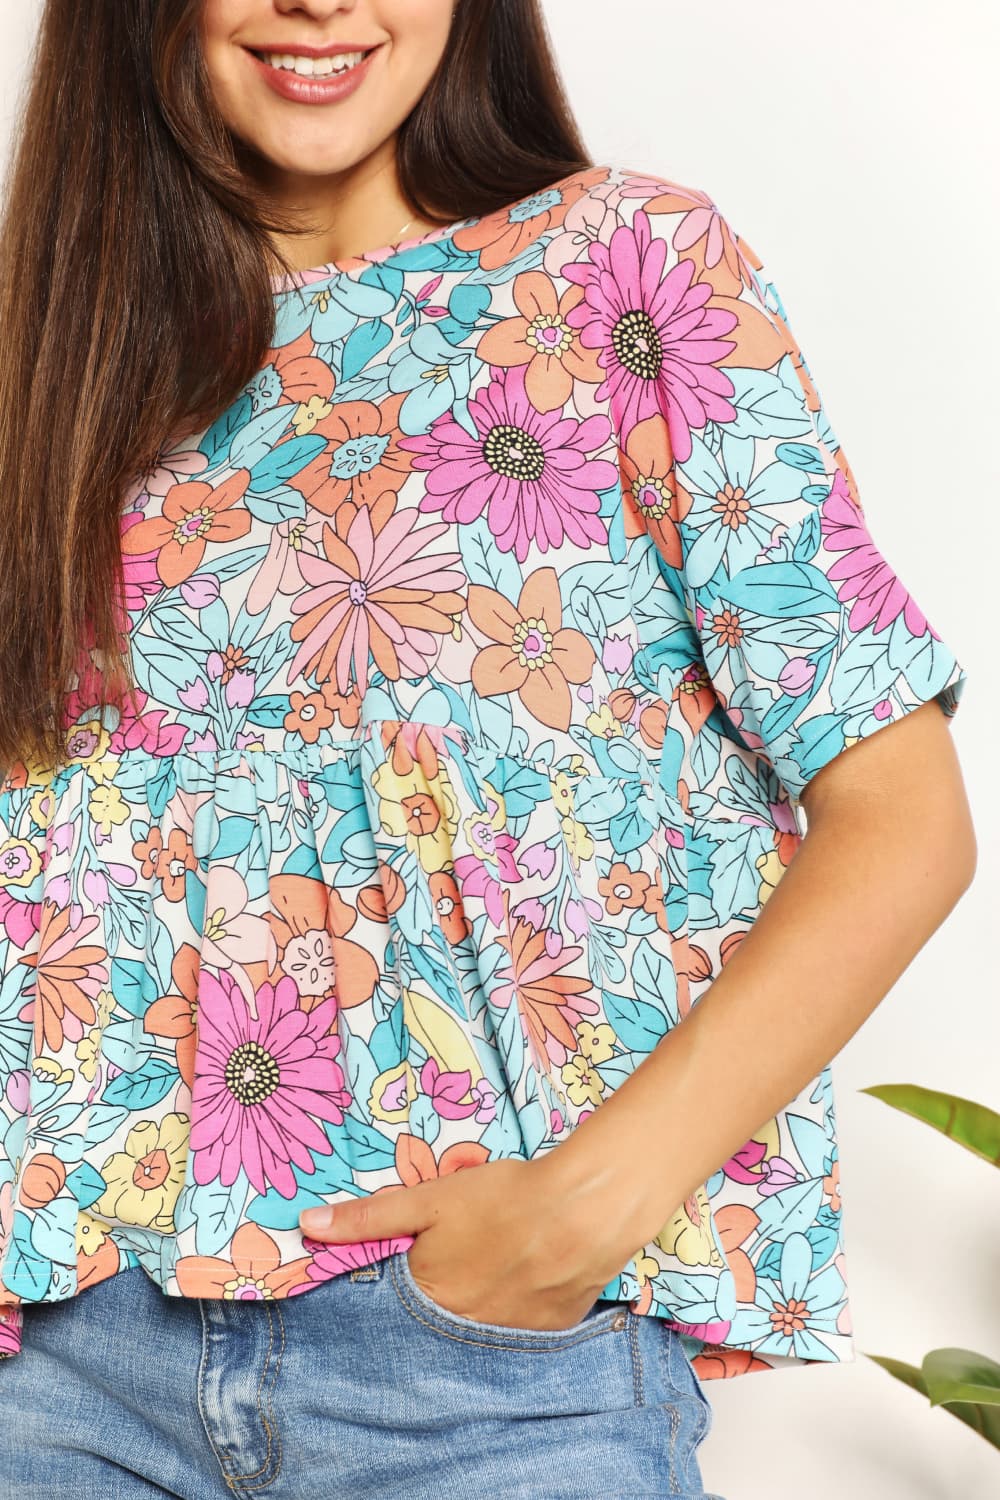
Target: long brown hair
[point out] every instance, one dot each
(136, 301)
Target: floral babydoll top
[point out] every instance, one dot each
(483, 648)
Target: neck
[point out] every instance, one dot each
(350, 212)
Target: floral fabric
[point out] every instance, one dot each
(484, 647)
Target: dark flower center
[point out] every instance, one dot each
(514, 453)
(252, 1074)
(636, 342)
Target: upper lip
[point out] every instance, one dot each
(300, 50)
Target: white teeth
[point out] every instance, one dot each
(313, 67)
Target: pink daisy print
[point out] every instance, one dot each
(863, 573)
(660, 341)
(258, 1084)
(527, 471)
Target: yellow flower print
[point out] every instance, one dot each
(19, 863)
(597, 1043)
(47, 1070)
(688, 1235)
(646, 1267)
(35, 774)
(583, 1083)
(90, 1233)
(107, 809)
(603, 723)
(104, 1005)
(145, 1180)
(770, 869)
(308, 413)
(578, 841)
(479, 830)
(86, 1051)
(42, 806)
(393, 1092)
(562, 794)
(420, 809)
(86, 743)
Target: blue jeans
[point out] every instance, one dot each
(361, 1387)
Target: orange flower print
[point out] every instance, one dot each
(97, 1255)
(362, 458)
(415, 1160)
(448, 907)
(308, 715)
(501, 236)
(193, 515)
(300, 376)
(623, 889)
(552, 1002)
(169, 862)
(175, 1015)
(378, 594)
(346, 707)
(255, 1273)
(534, 656)
(226, 663)
(654, 498)
(310, 922)
(69, 975)
(703, 235)
(542, 339)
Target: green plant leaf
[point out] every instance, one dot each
(972, 1125)
(983, 1416)
(961, 1375)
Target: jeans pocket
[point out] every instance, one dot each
(603, 1317)
(683, 1377)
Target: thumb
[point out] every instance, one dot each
(396, 1209)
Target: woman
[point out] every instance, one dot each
(431, 586)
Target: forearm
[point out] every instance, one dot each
(858, 901)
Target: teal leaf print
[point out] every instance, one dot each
(786, 590)
(283, 461)
(143, 1088)
(790, 1211)
(269, 711)
(282, 504)
(485, 564)
(53, 1233)
(217, 440)
(637, 1024)
(811, 1143)
(26, 1272)
(132, 985)
(364, 343)
(254, 441)
(655, 980)
(103, 1119)
(217, 1211)
(86, 1183)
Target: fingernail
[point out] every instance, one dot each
(316, 1218)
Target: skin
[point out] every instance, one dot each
(890, 831)
(336, 161)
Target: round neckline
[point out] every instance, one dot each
(382, 255)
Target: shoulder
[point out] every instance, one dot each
(653, 215)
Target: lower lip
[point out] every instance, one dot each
(312, 90)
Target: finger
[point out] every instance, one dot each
(393, 1210)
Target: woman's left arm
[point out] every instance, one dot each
(889, 849)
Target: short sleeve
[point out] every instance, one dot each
(810, 639)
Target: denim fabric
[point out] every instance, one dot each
(363, 1386)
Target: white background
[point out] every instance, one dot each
(854, 146)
